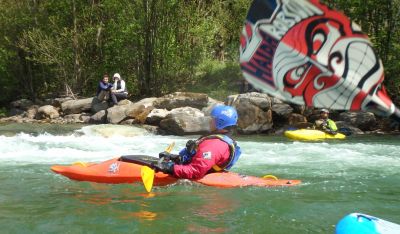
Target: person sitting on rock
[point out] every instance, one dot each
(325, 124)
(119, 90)
(104, 89)
(210, 153)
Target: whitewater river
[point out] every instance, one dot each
(360, 174)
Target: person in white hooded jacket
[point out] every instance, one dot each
(119, 90)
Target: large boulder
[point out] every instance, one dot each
(186, 121)
(365, 121)
(99, 118)
(345, 125)
(22, 104)
(182, 99)
(134, 110)
(297, 120)
(98, 105)
(156, 115)
(281, 113)
(32, 112)
(118, 113)
(77, 106)
(261, 100)
(254, 110)
(47, 112)
(16, 111)
(73, 118)
(147, 102)
(142, 117)
(56, 102)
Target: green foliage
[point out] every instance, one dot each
(158, 46)
(217, 79)
(3, 112)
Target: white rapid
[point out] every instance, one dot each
(268, 154)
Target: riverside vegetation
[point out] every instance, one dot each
(157, 46)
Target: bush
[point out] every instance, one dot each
(217, 79)
(3, 112)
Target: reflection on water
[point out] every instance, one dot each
(213, 208)
(201, 212)
(101, 195)
(141, 215)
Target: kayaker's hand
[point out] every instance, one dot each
(191, 146)
(166, 167)
(330, 132)
(164, 155)
(169, 157)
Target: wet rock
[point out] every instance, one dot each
(22, 104)
(116, 114)
(254, 111)
(296, 120)
(32, 112)
(185, 121)
(181, 99)
(156, 115)
(99, 118)
(47, 112)
(77, 106)
(365, 121)
(73, 118)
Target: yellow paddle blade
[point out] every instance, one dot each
(148, 174)
(147, 177)
(170, 147)
(270, 177)
(79, 163)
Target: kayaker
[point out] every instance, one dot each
(210, 153)
(325, 124)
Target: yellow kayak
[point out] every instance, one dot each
(311, 135)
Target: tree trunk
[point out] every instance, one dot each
(76, 48)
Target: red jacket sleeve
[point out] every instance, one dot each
(209, 153)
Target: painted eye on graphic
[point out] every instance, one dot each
(318, 40)
(298, 73)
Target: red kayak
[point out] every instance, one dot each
(115, 171)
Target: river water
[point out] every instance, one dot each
(360, 174)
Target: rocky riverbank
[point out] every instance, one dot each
(186, 113)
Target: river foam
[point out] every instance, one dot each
(101, 142)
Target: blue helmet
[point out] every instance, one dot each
(224, 116)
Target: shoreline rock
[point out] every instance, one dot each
(184, 113)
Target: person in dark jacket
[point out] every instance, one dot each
(211, 153)
(104, 89)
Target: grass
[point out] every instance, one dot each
(217, 79)
(3, 112)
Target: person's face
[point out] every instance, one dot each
(105, 79)
(324, 115)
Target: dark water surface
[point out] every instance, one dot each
(360, 174)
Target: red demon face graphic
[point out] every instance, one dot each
(331, 67)
(303, 52)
